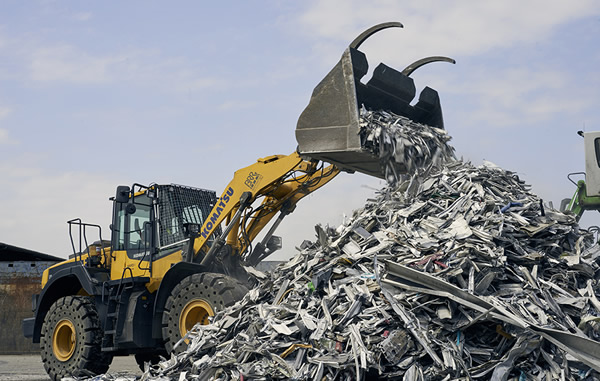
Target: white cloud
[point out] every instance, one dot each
(5, 138)
(67, 64)
(4, 111)
(82, 16)
(64, 63)
(516, 96)
(39, 204)
(462, 27)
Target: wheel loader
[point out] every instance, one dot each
(177, 254)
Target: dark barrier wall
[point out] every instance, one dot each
(18, 281)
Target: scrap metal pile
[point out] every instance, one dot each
(462, 273)
(456, 272)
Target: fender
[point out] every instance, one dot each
(68, 279)
(171, 279)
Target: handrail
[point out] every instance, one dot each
(83, 238)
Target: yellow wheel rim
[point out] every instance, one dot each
(63, 340)
(196, 311)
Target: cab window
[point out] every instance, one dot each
(119, 229)
(133, 232)
(139, 228)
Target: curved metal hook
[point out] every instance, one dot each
(424, 61)
(372, 30)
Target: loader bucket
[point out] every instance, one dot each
(328, 128)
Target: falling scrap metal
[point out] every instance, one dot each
(401, 143)
(456, 272)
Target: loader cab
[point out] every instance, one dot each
(149, 223)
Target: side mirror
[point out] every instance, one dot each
(122, 195)
(191, 229)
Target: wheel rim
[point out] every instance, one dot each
(63, 340)
(196, 311)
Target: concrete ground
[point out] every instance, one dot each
(30, 367)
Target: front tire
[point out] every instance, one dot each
(194, 300)
(71, 339)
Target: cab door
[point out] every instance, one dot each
(133, 237)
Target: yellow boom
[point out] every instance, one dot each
(276, 183)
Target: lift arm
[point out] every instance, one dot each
(254, 196)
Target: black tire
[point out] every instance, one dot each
(215, 290)
(152, 357)
(73, 317)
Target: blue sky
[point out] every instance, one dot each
(97, 94)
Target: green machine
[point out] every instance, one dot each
(587, 195)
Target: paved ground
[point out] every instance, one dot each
(30, 368)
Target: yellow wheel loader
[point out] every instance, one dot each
(176, 254)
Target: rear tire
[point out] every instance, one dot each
(193, 300)
(71, 339)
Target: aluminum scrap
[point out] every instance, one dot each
(403, 144)
(453, 272)
(108, 377)
(482, 281)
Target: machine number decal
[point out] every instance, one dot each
(253, 179)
